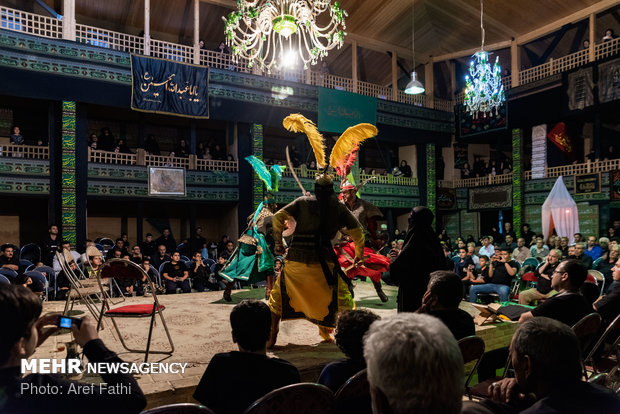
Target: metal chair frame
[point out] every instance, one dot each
(157, 308)
(585, 329)
(76, 284)
(477, 356)
(613, 326)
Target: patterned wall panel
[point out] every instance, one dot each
(517, 180)
(431, 182)
(257, 151)
(68, 172)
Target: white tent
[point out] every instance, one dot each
(559, 212)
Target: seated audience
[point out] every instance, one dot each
(350, 329)
(539, 250)
(136, 255)
(580, 256)
(167, 240)
(608, 306)
(592, 249)
(509, 243)
(176, 275)
(544, 273)
(578, 238)
(234, 380)
(23, 331)
(501, 273)
(527, 234)
(198, 273)
(414, 366)
(442, 299)
(148, 247)
(487, 248)
(568, 306)
(461, 265)
(547, 362)
(521, 252)
(160, 257)
(471, 253)
(119, 244)
(66, 250)
(605, 267)
(564, 247)
(9, 261)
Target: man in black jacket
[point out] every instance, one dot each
(23, 332)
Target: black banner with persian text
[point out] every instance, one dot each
(588, 183)
(167, 87)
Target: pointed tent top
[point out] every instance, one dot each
(559, 196)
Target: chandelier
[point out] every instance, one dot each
(275, 34)
(484, 91)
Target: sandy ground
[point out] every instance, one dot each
(199, 326)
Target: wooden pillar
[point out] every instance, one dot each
(354, 65)
(515, 62)
(592, 36)
(394, 76)
(429, 83)
(68, 19)
(147, 27)
(196, 32)
(452, 67)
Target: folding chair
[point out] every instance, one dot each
(49, 273)
(23, 263)
(304, 398)
(181, 408)
(480, 391)
(354, 395)
(600, 279)
(472, 349)
(586, 330)
(530, 261)
(80, 290)
(125, 269)
(603, 362)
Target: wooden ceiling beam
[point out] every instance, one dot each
(469, 52)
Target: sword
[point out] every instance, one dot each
(290, 166)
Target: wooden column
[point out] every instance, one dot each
(394, 76)
(354, 64)
(147, 27)
(515, 63)
(68, 19)
(592, 36)
(452, 67)
(429, 83)
(196, 32)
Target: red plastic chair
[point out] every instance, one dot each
(127, 270)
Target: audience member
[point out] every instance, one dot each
(182, 150)
(249, 369)
(564, 246)
(609, 35)
(24, 330)
(509, 230)
(350, 329)
(66, 250)
(509, 243)
(442, 299)
(521, 252)
(119, 244)
(471, 253)
(487, 248)
(414, 366)
(544, 273)
(592, 249)
(197, 242)
(547, 362)
(167, 240)
(501, 273)
(176, 274)
(148, 246)
(50, 245)
(539, 250)
(405, 169)
(106, 140)
(136, 255)
(568, 306)
(605, 267)
(608, 306)
(16, 136)
(527, 234)
(198, 273)
(578, 254)
(577, 238)
(9, 260)
(463, 262)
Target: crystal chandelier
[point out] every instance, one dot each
(484, 91)
(274, 34)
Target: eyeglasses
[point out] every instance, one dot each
(558, 271)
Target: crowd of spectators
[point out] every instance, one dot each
(482, 168)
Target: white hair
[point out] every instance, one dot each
(414, 360)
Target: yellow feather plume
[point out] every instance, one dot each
(350, 141)
(299, 123)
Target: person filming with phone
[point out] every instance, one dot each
(24, 330)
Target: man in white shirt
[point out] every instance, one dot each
(521, 252)
(66, 250)
(487, 248)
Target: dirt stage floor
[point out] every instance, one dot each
(199, 325)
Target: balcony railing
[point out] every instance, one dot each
(215, 165)
(109, 39)
(34, 24)
(25, 151)
(575, 169)
(110, 157)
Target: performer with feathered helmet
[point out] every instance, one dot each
(312, 284)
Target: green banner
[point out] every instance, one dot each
(338, 110)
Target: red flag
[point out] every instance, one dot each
(558, 136)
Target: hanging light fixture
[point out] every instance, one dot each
(276, 34)
(414, 87)
(484, 91)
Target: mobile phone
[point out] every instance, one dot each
(67, 321)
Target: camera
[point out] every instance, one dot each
(67, 321)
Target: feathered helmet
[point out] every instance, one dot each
(344, 152)
(270, 177)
